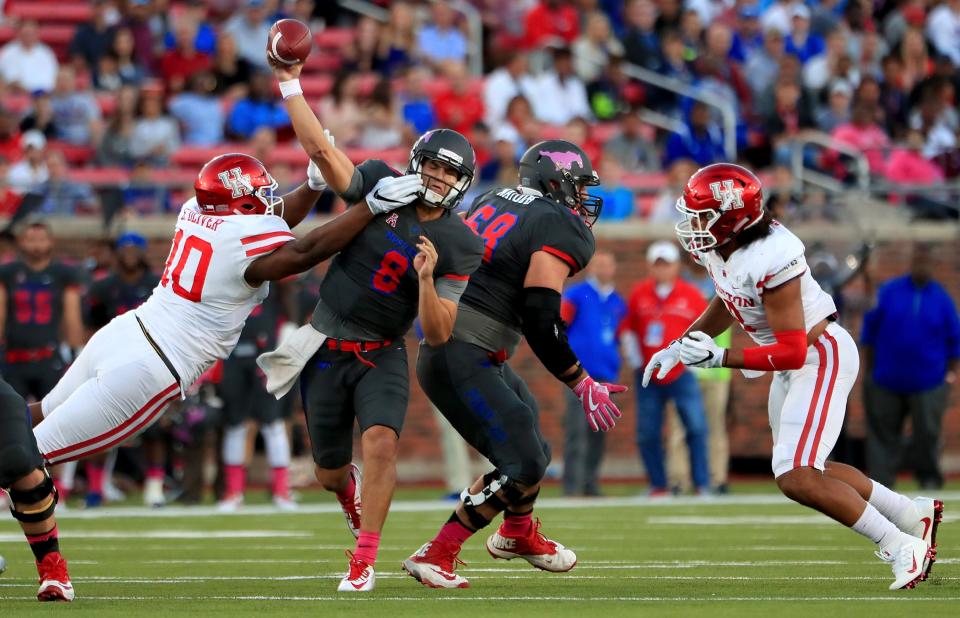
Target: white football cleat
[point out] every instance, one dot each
(352, 510)
(535, 548)
(931, 514)
(433, 566)
(153, 493)
(230, 504)
(360, 577)
(910, 561)
(285, 503)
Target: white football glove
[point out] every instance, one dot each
(315, 179)
(698, 349)
(392, 192)
(666, 359)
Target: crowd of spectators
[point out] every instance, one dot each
(143, 78)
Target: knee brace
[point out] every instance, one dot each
(495, 486)
(44, 495)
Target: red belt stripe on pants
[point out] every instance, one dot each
(125, 430)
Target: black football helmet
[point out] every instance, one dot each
(560, 169)
(450, 148)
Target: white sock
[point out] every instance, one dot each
(235, 445)
(877, 528)
(898, 508)
(68, 472)
(277, 444)
(108, 466)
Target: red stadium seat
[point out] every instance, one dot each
(322, 62)
(645, 181)
(75, 155)
(107, 102)
(193, 157)
(50, 12)
(16, 103)
(333, 38)
(100, 175)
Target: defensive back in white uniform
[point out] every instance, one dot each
(194, 316)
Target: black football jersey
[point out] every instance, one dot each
(513, 227)
(35, 303)
(112, 296)
(371, 286)
(261, 326)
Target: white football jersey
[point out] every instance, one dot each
(761, 265)
(196, 312)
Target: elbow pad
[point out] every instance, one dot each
(789, 352)
(545, 331)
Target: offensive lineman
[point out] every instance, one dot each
(230, 239)
(33, 497)
(416, 260)
(763, 282)
(535, 236)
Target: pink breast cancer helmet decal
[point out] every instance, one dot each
(563, 160)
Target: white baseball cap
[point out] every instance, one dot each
(663, 250)
(33, 138)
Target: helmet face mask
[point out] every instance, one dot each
(451, 150)
(237, 184)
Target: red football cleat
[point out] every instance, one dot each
(433, 565)
(535, 548)
(54, 580)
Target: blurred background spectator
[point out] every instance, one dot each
(62, 196)
(593, 311)
(911, 345)
(659, 310)
(26, 63)
(29, 172)
(155, 135)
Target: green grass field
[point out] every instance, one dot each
(751, 554)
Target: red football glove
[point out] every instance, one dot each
(599, 409)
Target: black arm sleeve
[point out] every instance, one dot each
(546, 333)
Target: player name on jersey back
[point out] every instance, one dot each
(197, 311)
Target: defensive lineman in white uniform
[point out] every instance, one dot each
(230, 239)
(762, 281)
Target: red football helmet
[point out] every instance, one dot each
(237, 184)
(719, 202)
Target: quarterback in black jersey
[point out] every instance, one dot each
(415, 260)
(535, 236)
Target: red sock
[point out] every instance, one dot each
(155, 472)
(346, 496)
(281, 482)
(453, 532)
(62, 490)
(517, 524)
(367, 545)
(234, 480)
(94, 478)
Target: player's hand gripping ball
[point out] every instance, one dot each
(289, 42)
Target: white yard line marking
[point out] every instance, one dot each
(444, 598)
(171, 534)
(418, 506)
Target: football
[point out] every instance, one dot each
(290, 41)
